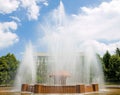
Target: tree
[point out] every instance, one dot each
(106, 62)
(106, 59)
(13, 65)
(118, 52)
(114, 71)
(8, 68)
(3, 71)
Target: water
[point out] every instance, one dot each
(27, 68)
(67, 53)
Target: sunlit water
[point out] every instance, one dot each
(67, 53)
(27, 69)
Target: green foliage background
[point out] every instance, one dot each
(111, 66)
(8, 69)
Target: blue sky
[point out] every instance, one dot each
(20, 19)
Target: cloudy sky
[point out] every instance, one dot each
(96, 22)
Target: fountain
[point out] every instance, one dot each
(65, 60)
(27, 69)
(72, 67)
(60, 77)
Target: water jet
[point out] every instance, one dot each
(68, 70)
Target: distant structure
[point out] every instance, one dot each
(44, 57)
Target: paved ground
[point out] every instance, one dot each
(113, 86)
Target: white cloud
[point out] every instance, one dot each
(89, 26)
(101, 47)
(45, 2)
(15, 18)
(101, 22)
(7, 37)
(33, 9)
(8, 6)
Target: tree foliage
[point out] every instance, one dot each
(106, 59)
(106, 63)
(8, 67)
(111, 65)
(114, 71)
(118, 52)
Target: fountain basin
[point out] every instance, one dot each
(38, 88)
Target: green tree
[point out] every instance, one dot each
(106, 59)
(13, 64)
(3, 71)
(114, 71)
(118, 52)
(8, 68)
(106, 62)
